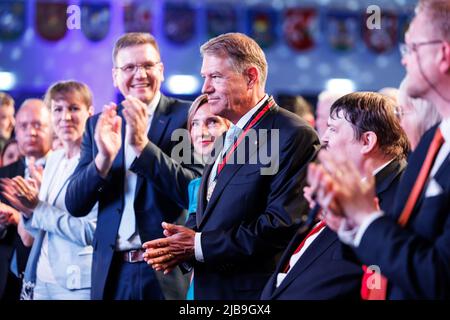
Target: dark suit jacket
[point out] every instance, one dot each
(415, 259)
(10, 242)
(151, 205)
(325, 271)
(250, 217)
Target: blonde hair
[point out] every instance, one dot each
(63, 88)
(198, 102)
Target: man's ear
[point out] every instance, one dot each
(444, 64)
(369, 142)
(252, 77)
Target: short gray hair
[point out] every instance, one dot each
(242, 51)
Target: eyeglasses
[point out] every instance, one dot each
(130, 69)
(406, 49)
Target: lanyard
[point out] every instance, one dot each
(259, 115)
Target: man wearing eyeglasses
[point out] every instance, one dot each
(409, 243)
(33, 134)
(118, 150)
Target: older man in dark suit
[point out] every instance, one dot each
(112, 171)
(247, 208)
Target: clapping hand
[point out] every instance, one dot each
(22, 194)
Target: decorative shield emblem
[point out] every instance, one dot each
(342, 29)
(179, 22)
(51, 20)
(298, 27)
(221, 18)
(385, 38)
(138, 16)
(95, 20)
(261, 25)
(12, 19)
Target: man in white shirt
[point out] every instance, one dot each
(410, 242)
(117, 154)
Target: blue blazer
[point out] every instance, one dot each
(415, 259)
(251, 217)
(69, 238)
(327, 270)
(151, 205)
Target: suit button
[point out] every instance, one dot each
(112, 247)
(119, 211)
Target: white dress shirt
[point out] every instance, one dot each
(240, 124)
(128, 216)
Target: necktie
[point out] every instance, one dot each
(436, 143)
(232, 134)
(315, 230)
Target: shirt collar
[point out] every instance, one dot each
(445, 129)
(246, 117)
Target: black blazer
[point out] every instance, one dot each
(152, 205)
(415, 259)
(326, 270)
(250, 216)
(9, 284)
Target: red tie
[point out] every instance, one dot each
(316, 229)
(438, 141)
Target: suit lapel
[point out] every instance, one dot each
(202, 203)
(228, 172)
(325, 239)
(49, 176)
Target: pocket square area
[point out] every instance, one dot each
(433, 189)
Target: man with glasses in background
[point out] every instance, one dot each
(409, 243)
(118, 149)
